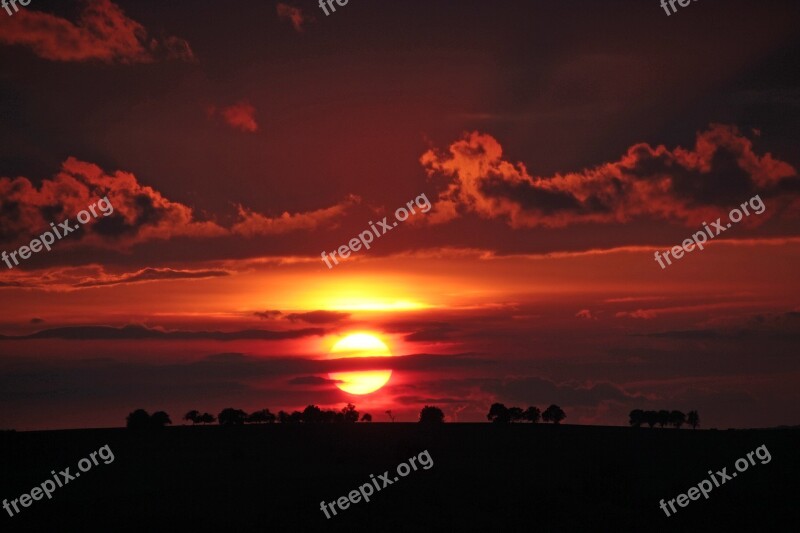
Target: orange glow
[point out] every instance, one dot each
(361, 345)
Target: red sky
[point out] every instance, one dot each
(560, 146)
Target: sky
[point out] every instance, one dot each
(548, 149)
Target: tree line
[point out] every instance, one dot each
(637, 417)
(500, 414)
(312, 414)
(140, 419)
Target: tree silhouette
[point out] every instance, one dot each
(283, 417)
(663, 417)
(312, 414)
(159, 419)
(138, 419)
(349, 414)
(231, 417)
(677, 419)
(390, 415)
(207, 418)
(261, 417)
(515, 413)
(554, 414)
(499, 414)
(693, 419)
(651, 418)
(431, 415)
(296, 417)
(366, 417)
(636, 418)
(532, 414)
(192, 416)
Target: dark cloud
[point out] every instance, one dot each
(137, 332)
(266, 315)
(153, 274)
(437, 333)
(680, 185)
(312, 380)
(775, 326)
(318, 317)
(138, 212)
(292, 14)
(101, 33)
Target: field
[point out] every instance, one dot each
(484, 478)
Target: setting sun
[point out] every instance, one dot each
(361, 345)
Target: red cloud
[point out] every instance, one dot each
(102, 32)
(287, 12)
(140, 212)
(687, 186)
(240, 116)
(251, 224)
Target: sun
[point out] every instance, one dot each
(361, 345)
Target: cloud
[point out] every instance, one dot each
(137, 332)
(318, 317)
(293, 14)
(435, 333)
(140, 212)
(152, 274)
(101, 33)
(267, 315)
(771, 326)
(252, 224)
(585, 314)
(241, 116)
(313, 380)
(682, 185)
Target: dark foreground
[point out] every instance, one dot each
(484, 478)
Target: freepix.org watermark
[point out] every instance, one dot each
(717, 227)
(61, 479)
(682, 3)
(47, 238)
(5, 4)
(383, 481)
(365, 237)
(705, 486)
(330, 5)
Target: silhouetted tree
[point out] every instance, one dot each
(366, 417)
(554, 414)
(330, 416)
(138, 419)
(693, 419)
(651, 418)
(532, 414)
(207, 418)
(677, 419)
(159, 419)
(192, 416)
(349, 414)
(261, 417)
(390, 415)
(296, 417)
(231, 417)
(283, 417)
(499, 414)
(431, 415)
(663, 417)
(636, 418)
(312, 414)
(515, 413)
